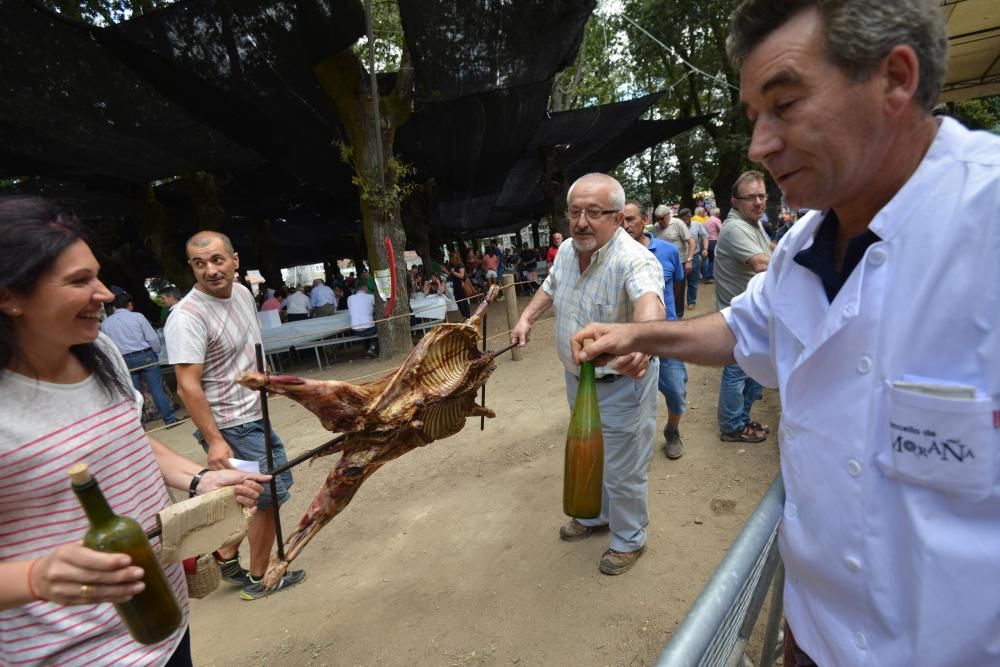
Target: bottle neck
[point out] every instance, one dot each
(587, 371)
(95, 505)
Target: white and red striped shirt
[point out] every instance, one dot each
(47, 428)
(219, 334)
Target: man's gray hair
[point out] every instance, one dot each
(716, 212)
(616, 193)
(859, 34)
(662, 209)
(699, 210)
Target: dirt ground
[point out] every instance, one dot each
(450, 555)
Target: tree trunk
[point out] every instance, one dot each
(730, 167)
(346, 83)
(154, 227)
(263, 247)
(393, 335)
(554, 187)
(208, 211)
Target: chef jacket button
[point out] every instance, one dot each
(790, 510)
(853, 564)
(859, 640)
(877, 256)
(853, 467)
(864, 364)
(848, 310)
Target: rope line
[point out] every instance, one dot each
(478, 297)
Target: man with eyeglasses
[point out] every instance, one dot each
(602, 275)
(742, 252)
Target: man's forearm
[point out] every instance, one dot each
(705, 340)
(198, 408)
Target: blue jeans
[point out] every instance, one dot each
(673, 384)
(737, 392)
(247, 443)
(708, 265)
(693, 279)
(153, 381)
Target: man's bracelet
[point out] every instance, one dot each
(193, 489)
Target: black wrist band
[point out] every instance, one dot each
(193, 489)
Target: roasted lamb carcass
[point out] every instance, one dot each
(428, 398)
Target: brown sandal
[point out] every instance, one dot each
(757, 426)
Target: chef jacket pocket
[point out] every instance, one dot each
(945, 444)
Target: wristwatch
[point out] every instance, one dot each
(193, 488)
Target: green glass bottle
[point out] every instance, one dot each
(584, 476)
(153, 614)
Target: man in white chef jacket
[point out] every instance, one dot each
(887, 359)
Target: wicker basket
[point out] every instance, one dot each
(206, 576)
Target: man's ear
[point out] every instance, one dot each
(900, 71)
(236, 258)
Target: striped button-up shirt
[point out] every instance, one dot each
(619, 273)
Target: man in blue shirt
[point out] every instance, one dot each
(673, 372)
(322, 300)
(139, 344)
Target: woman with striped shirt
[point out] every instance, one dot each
(66, 397)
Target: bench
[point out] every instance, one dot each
(325, 343)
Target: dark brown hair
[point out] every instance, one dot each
(33, 234)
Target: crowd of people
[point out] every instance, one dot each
(888, 375)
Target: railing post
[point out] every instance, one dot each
(510, 300)
(715, 629)
(769, 652)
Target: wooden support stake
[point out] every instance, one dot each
(269, 447)
(482, 418)
(510, 299)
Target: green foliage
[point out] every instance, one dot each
(672, 40)
(687, 58)
(595, 78)
(385, 194)
(387, 28)
(980, 114)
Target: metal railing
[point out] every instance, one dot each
(717, 628)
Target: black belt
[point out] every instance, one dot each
(608, 378)
(148, 349)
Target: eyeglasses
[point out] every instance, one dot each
(591, 213)
(752, 197)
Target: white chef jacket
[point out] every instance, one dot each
(891, 531)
